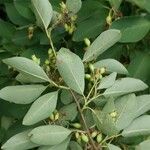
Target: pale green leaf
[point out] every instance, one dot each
(104, 41)
(74, 146)
(43, 12)
(140, 126)
(74, 5)
(19, 141)
(27, 67)
(124, 86)
(41, 108)
(49, 134)
(142, 4)
(111, 65)
(129, 27)
(21, 94)
(143, 104)
(61, 146)
(71, 69)
(66, 97)
(126, 107)
(145, 145)
(107, 81)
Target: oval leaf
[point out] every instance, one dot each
(74, 5)
(111, 65)
(113, 147)
(43, 12)
(126, 107)
(49, 134)
(143, 105)
(107, 81)
(41, 108)
(21, 94)
(140, 126)
(145, 145)
(27, 67)
(129, 27)
(19, 141)
(124, 86)
(104, 41)
(71, 69)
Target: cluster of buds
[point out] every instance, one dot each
(35, 59)
(68, 19)
(81, 137)
(97, 136)
(54, 116)
(30, 32)
(113, 115)
(95, 73)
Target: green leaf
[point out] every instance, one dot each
(142, 4)
(23, 8)
(41, 108)
(103, 119)
(129, 27)
(71, 69)
(111, 65)
(19, 141)
(126, 107)
(66, 97)
(115, 3)
(104, 41)
(21, 94)
(49, 134)
(74, 5)
(27, 67)
(140, 126)
(145, 145)
(90, 21)
(14, 16)
(143, 104)
(70, 112)
(124, 86)
(107, 81)
(74, 146)
(43, 12)
(61, 146)
(113, 147)
(139, 66)
(6, 29)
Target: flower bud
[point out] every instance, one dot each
(113, 114)
(47, 62)
(56, 116)
(77, 135)
(94, 133)
(87, 42)
(102, 70)
(91, 67)
(109, 20)
(99, 138)
(87, 76)
(76, 125)
(52, 117)
(84, 138)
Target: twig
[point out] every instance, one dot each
(84, 122)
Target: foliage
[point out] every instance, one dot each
(74, 74)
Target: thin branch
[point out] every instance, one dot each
(84, 122)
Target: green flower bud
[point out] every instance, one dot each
(35, 59)
(76, 125)
(87, 76)
(102, 70)
(73, 18)
(99, 138)
(109, 20)
(52, 117)
(47, 62)
(56, 116)
(100, 76)
(113, 114)
(87, 42)
(50, 51)
(94, 133)
(91, 67)
(66, 27)
(77, 135)
(84, 138)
